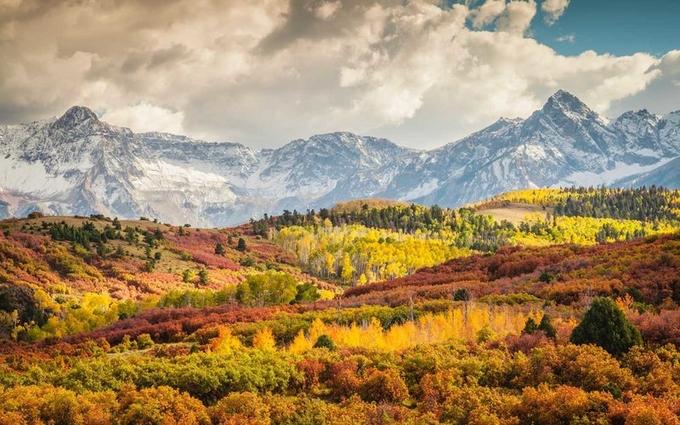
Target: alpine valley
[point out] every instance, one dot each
(78, 165)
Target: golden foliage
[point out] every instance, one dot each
(463, 323)
(264, 340)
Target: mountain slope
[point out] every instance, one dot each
(667, 175)
(77, 164)
(564, 143)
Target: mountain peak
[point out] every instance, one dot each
(562, 94)
(566, 103)
(563, 97)
(640, 115)
(75, 116)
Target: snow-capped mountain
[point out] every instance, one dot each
(77, 164)
(563, 144)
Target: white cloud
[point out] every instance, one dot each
(517, 16)
(487, 13)
(328, 9)
(567, 38)
(662, 94)
(553, 9)
(145, 117)
(266, 71)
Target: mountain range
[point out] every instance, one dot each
(77, 164)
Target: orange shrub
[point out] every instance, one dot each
(383, 386)
(240, 409)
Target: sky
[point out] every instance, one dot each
(422, 73)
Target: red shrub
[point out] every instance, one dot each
(660, 328)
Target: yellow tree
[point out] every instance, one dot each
(264, 340)
(347, 272)
(224, 342)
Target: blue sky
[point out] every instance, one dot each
(619, 27)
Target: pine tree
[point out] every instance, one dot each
(324, 341)
(203, 276)
(606, 325)
(462, 294)
(547, 327)
(241, 246)
(530, 326)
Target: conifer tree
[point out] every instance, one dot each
(606, 325)
(547, 327)
(530, 326)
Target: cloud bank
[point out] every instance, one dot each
(264, 72)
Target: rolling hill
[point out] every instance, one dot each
(127, 321)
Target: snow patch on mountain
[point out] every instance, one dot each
(77, 164)
(619, 171)
(423, 190)
(31, 178)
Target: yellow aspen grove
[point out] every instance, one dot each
(317, 329)
(463, 323)
(224, 342)
(264, 340)
(351, 250)
(329, 263)
(347, 271)
(300, 344)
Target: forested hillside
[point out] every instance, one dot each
(373, 313)
(62, 275)
(645, 203)
(359, 242)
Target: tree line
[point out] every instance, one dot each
(474, 231)
(644, 203)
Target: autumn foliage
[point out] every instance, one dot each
(139, 322)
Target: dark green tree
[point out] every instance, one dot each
(203, 276)
(306, 292)
(462, 294)
(324, 341)
(150, 265)
(530, 326)
(219, 249)
(606, 325)
(241, 246)
(546, 277)
(547, 327)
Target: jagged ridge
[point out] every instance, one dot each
(77, 164)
